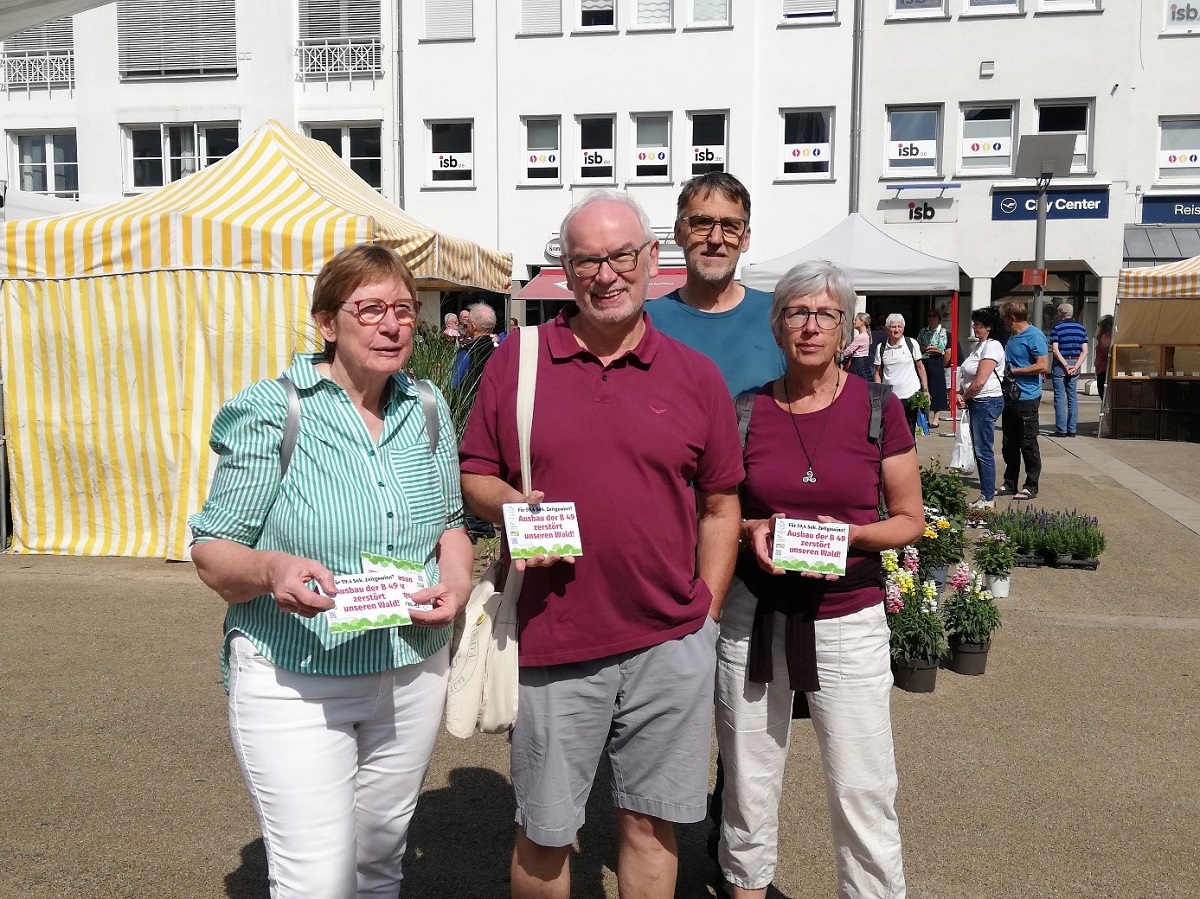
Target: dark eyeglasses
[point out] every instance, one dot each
(371, 312)
(797, 318)
(702, 226)
(620, 262)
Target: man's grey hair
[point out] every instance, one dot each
(808, 279)
(482, 316)
(1066, 310)
(597, 196)
(894, 318)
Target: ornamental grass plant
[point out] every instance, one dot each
(970, 613)
(918, 631)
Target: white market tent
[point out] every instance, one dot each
(123, 329)
(875, 262)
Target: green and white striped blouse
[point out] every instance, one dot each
(343, 493)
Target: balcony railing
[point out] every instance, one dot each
(41, 69)
(340, 59)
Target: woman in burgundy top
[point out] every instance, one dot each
(809, 455)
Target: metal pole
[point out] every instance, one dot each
(4, 503)
(1039, 250)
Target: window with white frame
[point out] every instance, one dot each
(912, 140)
(807, 143)
(708, 12)
(1179, 149)
(807, 12)
(42, 56)
(652, 146)
(360, 146)
(448, 19)
(176, 38)
(1181, 18)
(987, 139)
(916, 9)
(1068, 118)
(451, 153)
(653, 13)
(160, 154)
(339, 40)
(541, 16)
(991, 6)
(598, 14)
(1068, 5)
(597, 148)
(543, 151)
(47, 163)
(710, 141)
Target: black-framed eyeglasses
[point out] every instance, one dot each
(796, 318)
(620, 262)
(371, 312)
(702, 226)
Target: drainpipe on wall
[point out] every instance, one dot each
(856, 82)
(398, 140)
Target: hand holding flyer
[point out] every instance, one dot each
(811, 546)
(544, 530)
(368, 601)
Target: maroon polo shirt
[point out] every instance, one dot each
(626, 443)
(844, 460)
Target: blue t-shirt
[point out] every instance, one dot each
(1023, 350)
(739, 340)
(1070, 336)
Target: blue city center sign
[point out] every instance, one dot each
(1084, 203)
(1171, 209)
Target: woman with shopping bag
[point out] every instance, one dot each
(979, 378)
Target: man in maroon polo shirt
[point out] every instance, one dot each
(617, 645)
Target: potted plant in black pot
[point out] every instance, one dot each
(918, 640)
(971, 617)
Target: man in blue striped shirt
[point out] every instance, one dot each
(1069, 348)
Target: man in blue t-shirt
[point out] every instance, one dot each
(712, 313)
(1027, 358)
(1069, 347)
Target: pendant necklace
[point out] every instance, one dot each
(810, 478)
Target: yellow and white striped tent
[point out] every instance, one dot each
(1148, 311)
(125, 328)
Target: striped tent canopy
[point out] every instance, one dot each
(1175, 280)
(124, 329)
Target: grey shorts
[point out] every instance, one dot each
(651, 709)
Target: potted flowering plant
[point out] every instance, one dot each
(943, 490)
(971, 618)
(939, 547)
(918, 639)
(995, 554)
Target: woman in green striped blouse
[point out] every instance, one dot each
(334, 732)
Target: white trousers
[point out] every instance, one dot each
(334, 766)
(851, 714)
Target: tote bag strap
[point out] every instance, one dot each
(526, 388)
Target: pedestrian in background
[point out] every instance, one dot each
(1069, 348)
(1026, 359)
(980, 377)
(450, 332)
(898, 363)
(934, 342)
(856, 356)
(1104, 332)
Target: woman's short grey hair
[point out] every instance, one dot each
(808, 279)
(450, 317)
(596, 196)
(894, 318)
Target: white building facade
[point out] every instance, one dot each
(488, 120)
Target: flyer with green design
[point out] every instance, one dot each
(548, 529)
(811, 546)
(411, 574)
(368, 601)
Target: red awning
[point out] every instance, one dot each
(551, 284)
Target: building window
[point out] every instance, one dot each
(598, 14)
(987, 139)
(597, 148)
(48, 164)
(448, 19)
(1069, 5)
(339, 40)
(807, 12)
(807, 143)
(1181, 18)
(176, 38)
(912, 141)
(41, 57)
(543, 152)
(359, 146)
(1068, 118)
(992, 6)
(451, 153)
(917, 9)
(1179, 149)
(708, 12)
(709, 142)
(654, 13)
(160, 154)
(652, 146)
(541, 16)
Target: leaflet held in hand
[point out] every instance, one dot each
(811, 546)
(548, 529)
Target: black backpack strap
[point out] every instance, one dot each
(291, 424)
(425, 391)
(879, 397)
(743, 405)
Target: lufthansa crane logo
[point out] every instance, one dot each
(1008, 205)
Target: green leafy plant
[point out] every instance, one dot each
(943, 489)
(994, 553)
(970, 613)
(918, 631)
(918, 401)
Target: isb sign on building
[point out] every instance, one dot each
(1087, 203)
